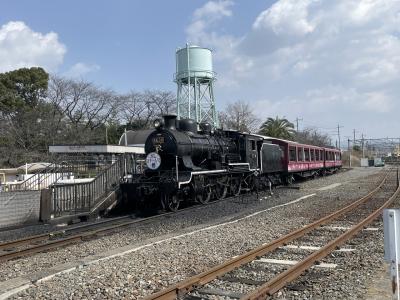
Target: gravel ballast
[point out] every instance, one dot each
(149, 269)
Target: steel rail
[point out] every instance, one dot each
(52, 244)
(294, 272)
(49, 235)
(184, 287)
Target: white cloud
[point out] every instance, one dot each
(214, 10)
(20, 46)
(204, 18)
(325, 61)
(80, 69)
(286, 17)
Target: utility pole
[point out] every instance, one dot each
(348, 149)
(362, 144)
(338, 133)
(297, 123)
(354, 136)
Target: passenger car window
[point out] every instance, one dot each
(292, 153)
(307, 154)
(300, 154)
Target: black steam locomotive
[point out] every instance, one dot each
(188, 162)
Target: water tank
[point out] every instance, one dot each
(194, 61)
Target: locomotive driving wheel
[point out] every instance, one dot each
(235, 186)
(221, 187)
(201, 190)
(204, 196)
(171, 202)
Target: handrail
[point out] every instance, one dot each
(83, 196)
(43, 179)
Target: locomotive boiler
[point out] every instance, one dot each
(185, 147)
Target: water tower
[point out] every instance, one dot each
(195, 77)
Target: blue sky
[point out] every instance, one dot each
(132, 42)
(327, 62)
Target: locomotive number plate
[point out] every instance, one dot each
(158, 140)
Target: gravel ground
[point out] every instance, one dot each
(340, 283)
(350, 279)
(356, 271)
(147, 270)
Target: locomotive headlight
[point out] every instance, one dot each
(157, 124)
(153, 160)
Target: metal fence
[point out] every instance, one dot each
(63, 167)
(38, 181)
(83, 197)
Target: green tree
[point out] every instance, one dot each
(278, 128)
(24, 115)
(22, 88)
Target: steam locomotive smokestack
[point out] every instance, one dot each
(170, 122)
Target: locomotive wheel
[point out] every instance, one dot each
(205, 196)
(221, 187)
(235, 186)
(289, 180)
(171, 202)
(249, 183)
(203, 193)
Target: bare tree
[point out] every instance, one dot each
(164, 102)
(140, 109)
(82, 107)
(312, 136)
(85, 104)
(136, 110)
(239, 116)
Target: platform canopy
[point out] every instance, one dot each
(112, 149)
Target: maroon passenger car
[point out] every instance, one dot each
(333, 159)
(307, 160)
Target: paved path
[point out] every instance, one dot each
(380, 288)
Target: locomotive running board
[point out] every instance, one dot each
(199, 173)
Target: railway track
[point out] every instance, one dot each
(55, 239)
(52, 240)
(257, 275)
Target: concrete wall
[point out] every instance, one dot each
(18, 208)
